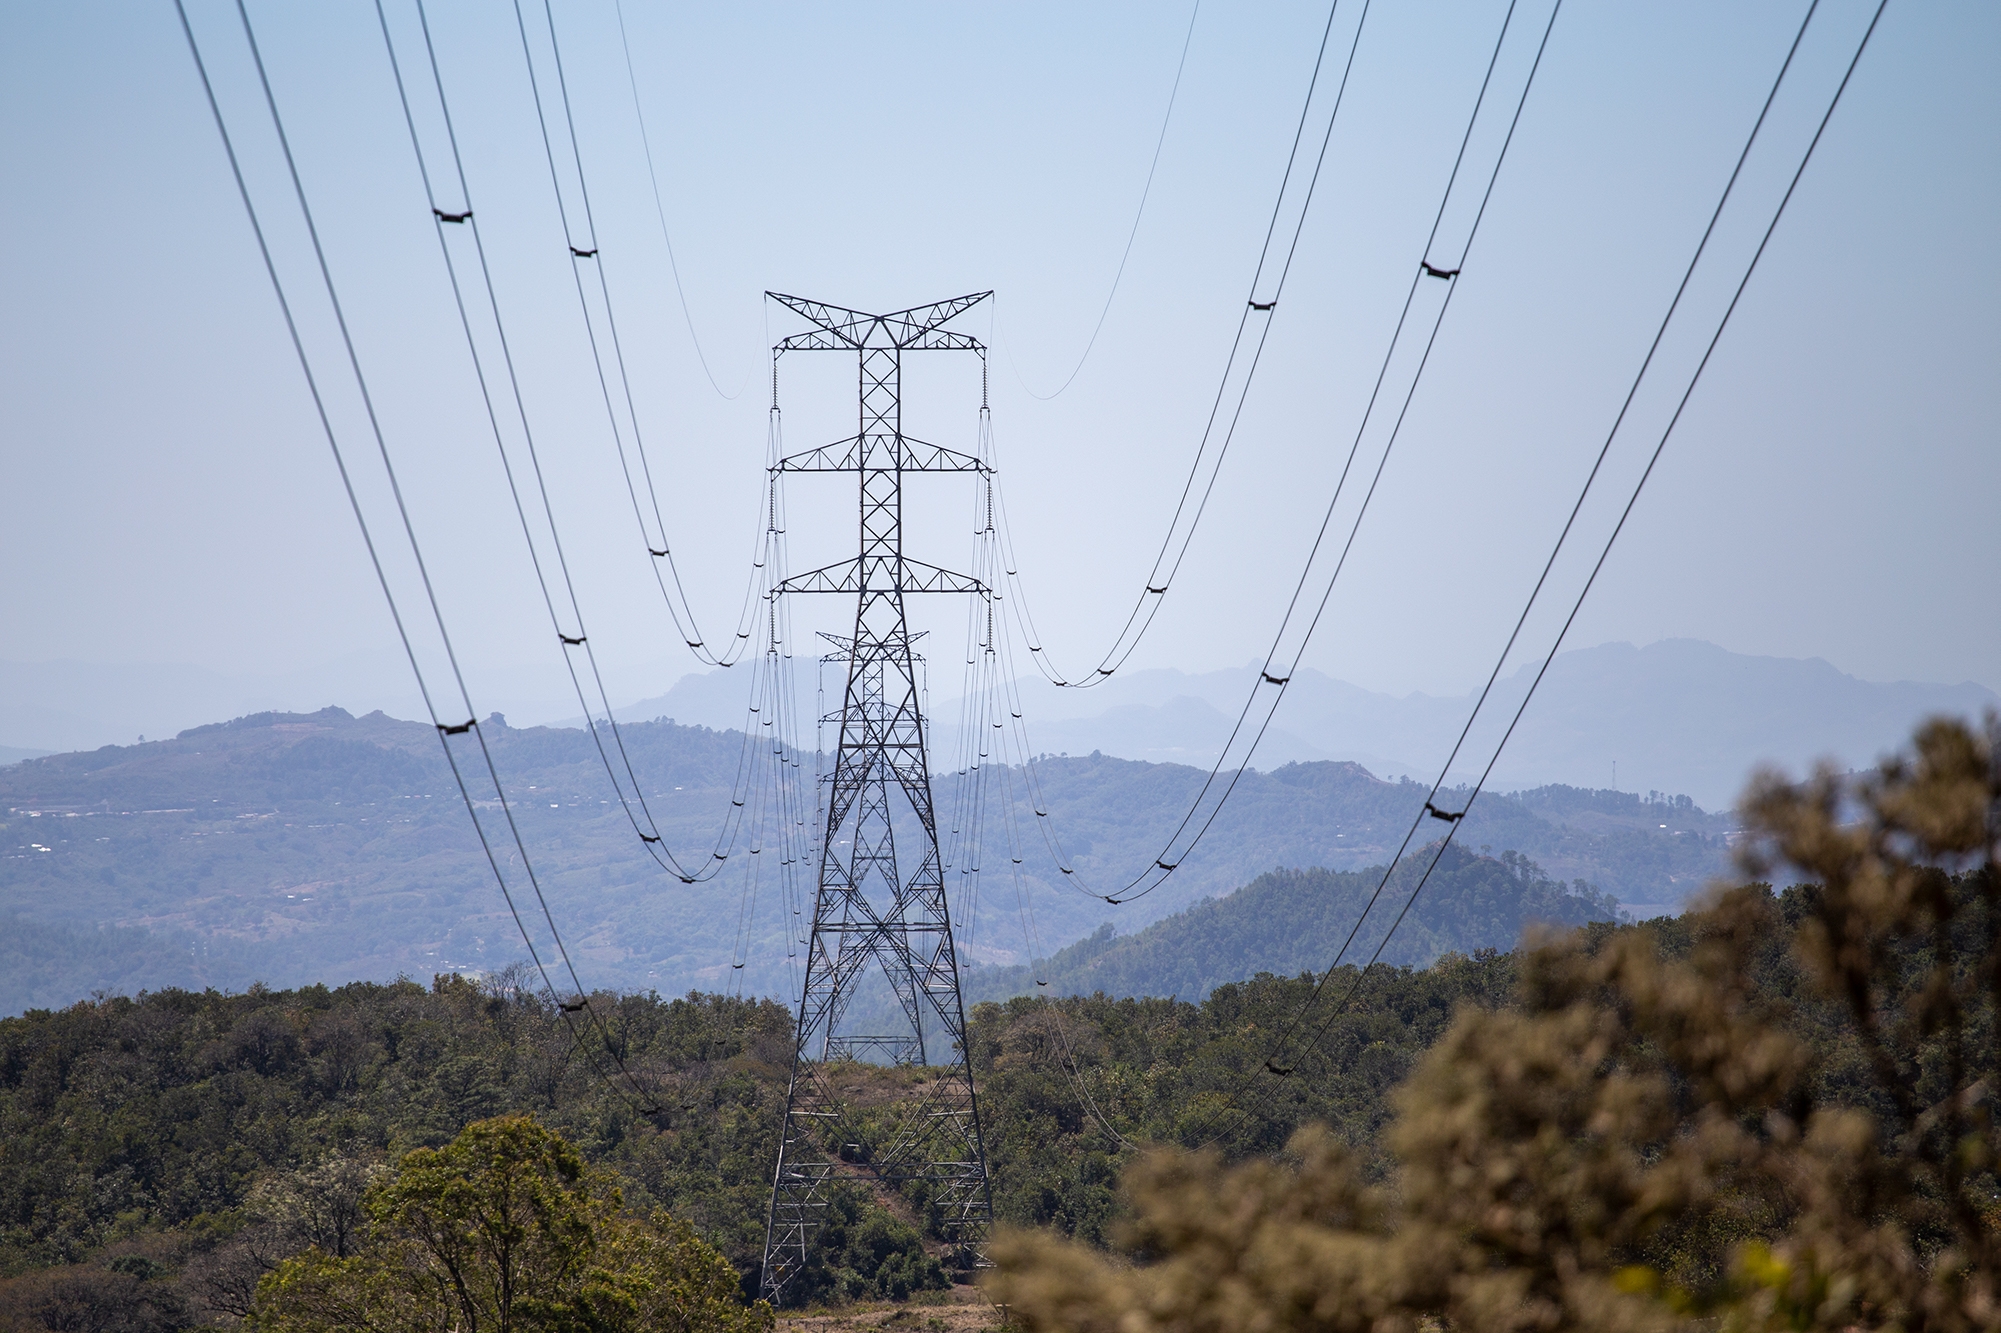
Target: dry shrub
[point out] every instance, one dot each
(1653, 1138)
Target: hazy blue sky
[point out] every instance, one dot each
(1830, 493)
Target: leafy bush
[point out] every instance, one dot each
(505, 1227)
(1777, 1117)
(863, 1253)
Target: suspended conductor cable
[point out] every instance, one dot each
(1175, 851)
(641, 1100)
(979, 722)
(1173, 548)
(660, 211)
(680, 610)
(1170, 858)
(1455, 818)
(1131, 236)
(1032, 933)
(642, 821)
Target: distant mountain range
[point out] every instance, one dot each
(291, 847)
(296, 847)
(47, 707)
(1678, 716)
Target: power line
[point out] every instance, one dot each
(1165, 567)
(1131, 236)
(466, 217)
(983, 702)
(641, 1100)
(660, 211)
(1175, 850)
(1454, 819)
(1424, 269)
(584, 249)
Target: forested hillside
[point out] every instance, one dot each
(1287, 922)
(292, 848)
(183, 1129)
(175, 1146)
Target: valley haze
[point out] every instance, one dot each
(1679, 716)
(293, 847)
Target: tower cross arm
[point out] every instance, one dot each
(851, 455)
(906, 575)
(817, 340)
(837, 328)
(919, 320)
(943, 340)
(920, 577)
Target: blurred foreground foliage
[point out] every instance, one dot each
(1772, 1114)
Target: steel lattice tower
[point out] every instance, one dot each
(866, 910)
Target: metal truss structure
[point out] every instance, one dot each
(867, 910)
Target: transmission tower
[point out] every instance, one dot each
(866, 909)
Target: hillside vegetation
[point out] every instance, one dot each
(1775, 1118)
(294, 848)
(162, 1125)
(165, 1152)
(1291, 921)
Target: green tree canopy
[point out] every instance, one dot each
(505, 1230)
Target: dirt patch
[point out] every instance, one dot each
(963, 1309)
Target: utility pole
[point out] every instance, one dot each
(866, 909)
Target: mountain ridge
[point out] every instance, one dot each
(1678, 715)
(1291, 922)
(303, 846)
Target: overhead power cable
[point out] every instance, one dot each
(660, 211)
(984, 735)
(1278, 1063)
(1279, 667)
(599, 718)
(605, 1049)
(1239, 370)
(580, 235)
(1146, 192)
